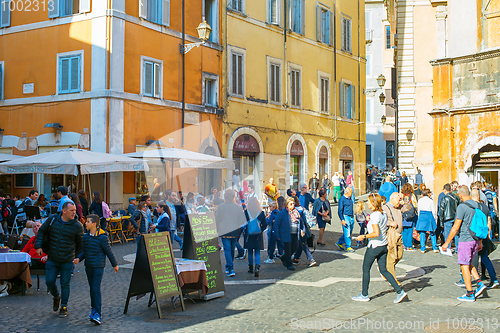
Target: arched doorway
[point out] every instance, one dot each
(323, 162)
(346, 158)
(296, 163)
(486, 164)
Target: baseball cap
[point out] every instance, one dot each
(132, 198)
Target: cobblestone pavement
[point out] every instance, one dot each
(279, 301)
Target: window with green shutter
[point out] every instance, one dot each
(70, 74)
(152, 79)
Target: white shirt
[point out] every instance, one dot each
(236, 180)
(252, 195)
(381, 220)
(427, 204)
(335, 180)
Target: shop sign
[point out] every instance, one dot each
(246, 143)
(297, 149)
(346, 154)
(323, 153)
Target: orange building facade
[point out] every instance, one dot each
(110, 73)
(466, 90)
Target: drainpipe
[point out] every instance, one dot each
(335, 65)
(183, 72)
(286, 63)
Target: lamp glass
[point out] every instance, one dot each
(383, 119)
(381, 97)
(204, 31)
(381, 80)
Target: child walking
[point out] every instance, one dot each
(95, 250)
(361, 217)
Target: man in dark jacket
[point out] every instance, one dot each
(63, 235)
(447, 211)
(314, 186)
(95, 250)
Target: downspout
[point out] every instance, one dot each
(183, 72)
(286, 63)
(335, 65)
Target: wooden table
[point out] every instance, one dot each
(115, 229)
(16, 264)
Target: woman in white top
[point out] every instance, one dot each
(426, 220)
(377, 249)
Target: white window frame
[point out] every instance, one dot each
(164, 12)
(323, 75)
(215, 78)
(279, 62)
(241, 10)
(157, 61)
(322, 36)
(242, 52)
(278, 12)
(82, 73)
(342, 99)
(296, 68)
(2, 76)
(369, 63)
(344, 46)
(214, 23)
(54, 7)
(385, 37)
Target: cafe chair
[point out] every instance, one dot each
(13, 242)
(114, 229)
(38, 272)
(16, 225)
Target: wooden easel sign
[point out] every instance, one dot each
(154, 270)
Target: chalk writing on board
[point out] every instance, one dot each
(203, 227)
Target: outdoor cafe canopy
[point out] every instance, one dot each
(72, 161)
(186, 158)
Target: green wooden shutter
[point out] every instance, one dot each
(64, 65)
(157, 80)
(75, 74)
(341, 95)
(330, 28)
(353, 112)
(318, 23)
(148, 79)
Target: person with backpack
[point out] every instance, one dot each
(272, 235)
(253, 237)
(469, 220)
(426, 221)
(447, 211)
(487, 247)
(392, 208)
(28, 201)
(409, 212)
(303, 234)
(323, 213)
(491, 197)
(362, 217)
(283, 225)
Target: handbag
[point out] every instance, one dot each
(327, 218)
(408, 210)
(253, 227)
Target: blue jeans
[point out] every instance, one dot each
(407, 236)
(94, 276)
(229, 244)
(433, 241)
(173, 236)
(328, 193)
(273, 240)
(347, 231)
(53, 268)
(489, 266)
(447, 228)
(241, 251)
(250, 256)
(303, 247)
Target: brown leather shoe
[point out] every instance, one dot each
(55, 306)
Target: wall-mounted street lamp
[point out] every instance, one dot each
(204, 31)
(381, 82)
(57, 126)
(154, 142)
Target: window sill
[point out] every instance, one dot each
(236, 12)
(69, 92)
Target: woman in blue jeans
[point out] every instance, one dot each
(303, 234)
(427, 220)
(254, 243)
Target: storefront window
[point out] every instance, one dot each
(6, 184)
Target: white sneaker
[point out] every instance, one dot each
(269, 261)
(4, 294)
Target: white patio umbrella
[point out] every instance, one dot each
(8, 157)
(72, 161)
(186, 158)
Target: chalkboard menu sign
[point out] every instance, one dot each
(154, 270)
(23, 180)
(201, 243)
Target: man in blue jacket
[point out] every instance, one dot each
(346, 215)
(95, 250)
(387, 188)
(272, 234)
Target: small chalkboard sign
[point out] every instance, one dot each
(201, 243)
(154, 270)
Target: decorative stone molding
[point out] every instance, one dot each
(489, 54)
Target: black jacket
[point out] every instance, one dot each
(95, 250)
(65, 238)
(448, 208)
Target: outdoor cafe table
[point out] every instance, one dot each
(16, 264)
(192, 274)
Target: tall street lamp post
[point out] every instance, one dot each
(381, 82)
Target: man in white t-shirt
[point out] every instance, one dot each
(236, 180)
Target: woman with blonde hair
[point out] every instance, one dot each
(377, 249)
(254, 243)
(361, 217)
(409, 208)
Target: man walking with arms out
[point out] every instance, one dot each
(314, 186)
(62, 236)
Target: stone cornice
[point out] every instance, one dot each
(468, 109)
(483, 55)
(436, 3)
